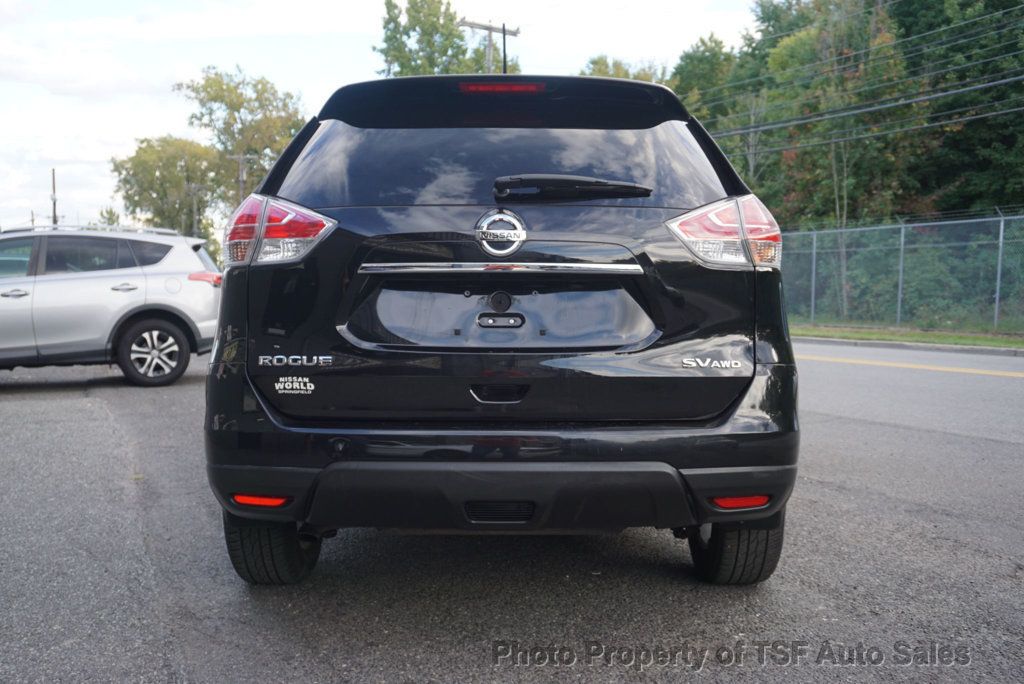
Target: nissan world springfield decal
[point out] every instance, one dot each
(294, 384)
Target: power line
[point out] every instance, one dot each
(489, 51)
(918, 117)
(931, 115)
(937, 90)
(913, 52)
(874, 84)
(907, 129)
(837, 113)
(868, 49)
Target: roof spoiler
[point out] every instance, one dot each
(504, 102)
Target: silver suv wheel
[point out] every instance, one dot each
(154, 353)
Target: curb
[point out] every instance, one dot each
(921, 346)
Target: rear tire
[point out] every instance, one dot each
(269, 553)
(153, 353)
(736, 556)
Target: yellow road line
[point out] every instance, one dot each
(912, 366)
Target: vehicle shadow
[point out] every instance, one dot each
(12, 383)
(492, 587)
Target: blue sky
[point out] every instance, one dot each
(80, 81)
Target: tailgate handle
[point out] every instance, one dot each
(499, 394)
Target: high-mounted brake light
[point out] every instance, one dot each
(492, 87)
(260, 501)
(736, 502)
(284, 231)
(214, 279)
(724, 233)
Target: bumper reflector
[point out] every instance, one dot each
(737, 502)
(262, 501)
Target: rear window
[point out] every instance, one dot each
(149, 253)
(208, 263)
(345, 165)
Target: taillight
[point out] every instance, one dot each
(241, 232)
(724, 233)
(284, 231)
(214, 279)
(289, 231)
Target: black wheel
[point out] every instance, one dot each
(269, 553)
(152, 352)
(736, 556)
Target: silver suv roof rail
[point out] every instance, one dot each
(106, 229)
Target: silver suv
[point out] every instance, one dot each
(144, 299)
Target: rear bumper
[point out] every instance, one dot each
(569, 476)
(548, 497)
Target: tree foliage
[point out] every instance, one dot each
(811, 57)
(476, 60)
(602, 65)
(186, 185)
(707, 62)
(244, 116)
(160, 180)
(426, 40)
(109, 217)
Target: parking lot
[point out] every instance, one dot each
(905, 528)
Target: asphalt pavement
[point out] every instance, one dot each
(904, 542)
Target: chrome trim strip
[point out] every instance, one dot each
(520, 267)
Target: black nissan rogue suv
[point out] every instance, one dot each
(502, 304)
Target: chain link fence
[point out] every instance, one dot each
(963, 275)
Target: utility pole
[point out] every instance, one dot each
(53, 194)
(491, 30)
(242, 169)
(193, 190)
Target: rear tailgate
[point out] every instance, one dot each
(399, 314)
(664, 340)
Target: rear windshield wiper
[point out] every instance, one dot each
(535, 186)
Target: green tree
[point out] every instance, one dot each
(706, 64)
(424, 40)
(974, 164)
(247, 118)
(169, 182)
(601, 65)
(476, 60)
(109, 217)
(864, 178)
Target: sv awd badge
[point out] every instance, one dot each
(281, 360)
(710, 363)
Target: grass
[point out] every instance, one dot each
(909, 335)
